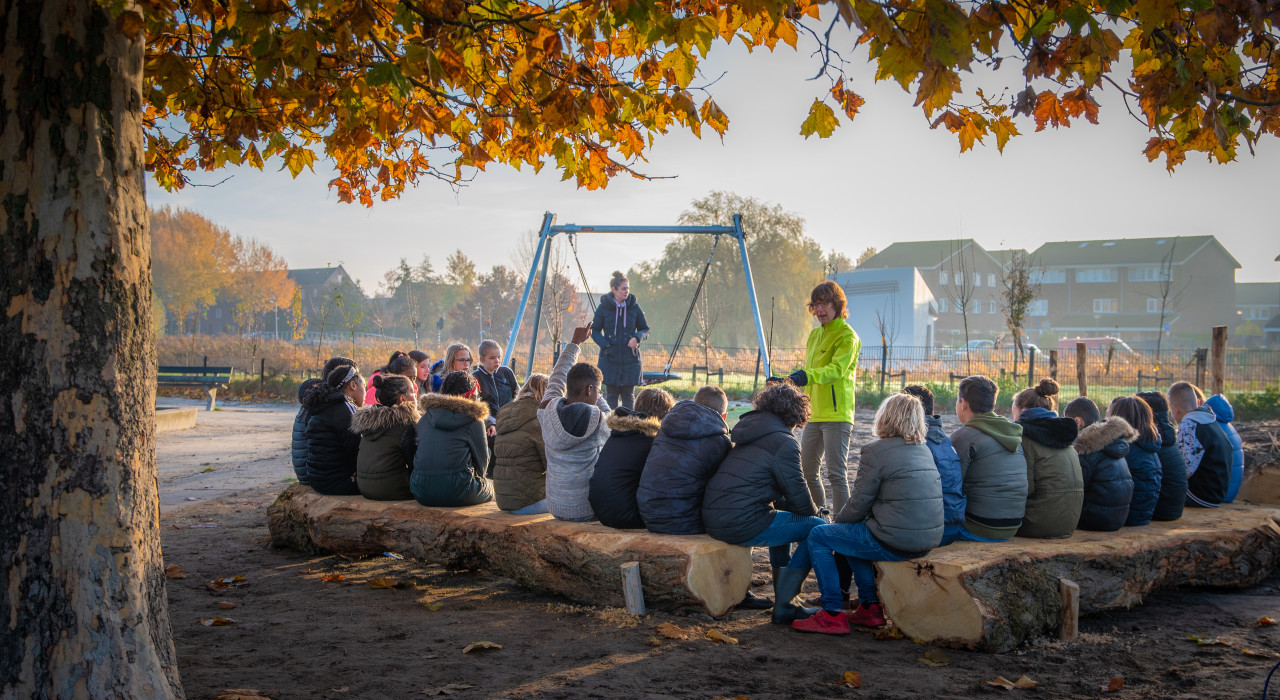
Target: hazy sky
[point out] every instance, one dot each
(886, 177)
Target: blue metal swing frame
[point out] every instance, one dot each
(550, 230)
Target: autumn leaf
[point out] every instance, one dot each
(216, 586)
(850, 102)
(1201, 641)
(934, 657)
(174, 571)
(432, 606)
(1265, 622)
(999, 682)
(331, 578)
(226, 605)
(671, 631)
(1050, 111)
(1113, 685)
(215, 621)
(851, 679)
(1078, 102)
(480, 645)
(1025, 681)
(130, 24)
(888, 633)
(1259, 654)
(821, 121)
(383, 582)
(718, 636)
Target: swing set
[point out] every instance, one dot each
(542, 255)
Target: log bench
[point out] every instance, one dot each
(995, 596)
(581, 561)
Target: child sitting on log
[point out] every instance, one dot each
(451, 450)
(1102, 447)
(944, 458)
(1223, 411)
(573, 419)
(387, 430)
(1055, 484)
(762, 472)
(992, 463)
(617, 474)
(1173, 469)
(519, 456)
(690, 445)
(331, 446)
(298, 446)
(1204, 446)
(895, 513)
(1143, 460)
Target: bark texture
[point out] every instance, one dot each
(83, 593)
(995, 596)
(581, 561)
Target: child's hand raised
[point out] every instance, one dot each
(580, 334)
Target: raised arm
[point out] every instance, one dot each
(560, 373)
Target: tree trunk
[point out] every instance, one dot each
(84, 594)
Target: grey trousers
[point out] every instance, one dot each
(829, 443)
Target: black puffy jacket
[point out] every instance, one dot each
(614, 481)
(1144, 469)
(331, 446)
(761, 473)
(689, 447)
(1108, 487)
(1173, 469)
(497, 389)
(298, 448)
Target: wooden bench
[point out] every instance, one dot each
(210, 378)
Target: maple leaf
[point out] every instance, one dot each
(821, 121)
(1079, 102)
(850, 102)
(1049, 111)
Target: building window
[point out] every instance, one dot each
(991, 279)
(1048, 277)
(991, 307)
(942, 306)
(959, 278)
(1153, 306)
(1149, 274)
(942, 277)
(977, 280)
(217, 312)
(1038, 307)
(1097, 275)
(977, 306)
(1106, 306)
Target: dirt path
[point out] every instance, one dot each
(302, 637)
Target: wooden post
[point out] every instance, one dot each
(1053, 365)
(1068, 625)
(1031, 366)
(1202, 356)
(632, 591)
(884, 360)
(1219, 359)
(262, 374)
(1081, 353)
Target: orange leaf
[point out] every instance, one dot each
(1265, 622)
(1050, 111)
(226, 605)
(383, 582)
(851, 679)
(1080, 102)
(671, 631)
(330, 578)
(1114, 685)
(718, 636)
(215, 621)
(174, 571)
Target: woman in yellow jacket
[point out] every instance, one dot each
(830, 364)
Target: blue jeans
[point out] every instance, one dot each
(782, 531)
(954, 533)
(532, 508)
(854, 541)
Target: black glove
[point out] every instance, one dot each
(799, 378)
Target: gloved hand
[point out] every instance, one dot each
(799, 378)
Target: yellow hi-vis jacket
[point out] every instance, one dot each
(830, 365)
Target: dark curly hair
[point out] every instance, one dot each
(458, 383)
(388, 388)
(786, 402)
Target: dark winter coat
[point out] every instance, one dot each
(448, 467)
(1055, 484)
(761, 473)
(898, 492)
(613, 326)
(995, 475)
(497, 389)
(689, 447)
(617, 474)
(1173, 472)
(382, 468)
(948, 464)
(331, 446)
(298, 447)
(1144, 468)
(1225, 414)
(1108, 488)
(519, 456)
(1206, 449)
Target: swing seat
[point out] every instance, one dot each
(660, 377)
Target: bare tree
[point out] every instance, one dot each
(1169, 294)
(886, 320)
(707, 311)
(960, 286)
(1019, 292)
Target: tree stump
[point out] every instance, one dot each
(995, 596)
(581, 561)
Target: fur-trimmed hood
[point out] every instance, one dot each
(1103, 436)
(629, 422)
(461, 405)
(377, 418)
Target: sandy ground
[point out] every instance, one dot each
(298, 636)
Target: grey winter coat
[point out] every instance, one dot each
(995, 475)
(613, 326)
(570, 458)
(761, 473)
(452, 452)
(382, 467)
(899, 494)
(1108, 487)
(519, 458)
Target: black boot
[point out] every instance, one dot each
(786, 586)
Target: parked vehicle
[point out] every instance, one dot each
(1094, 345)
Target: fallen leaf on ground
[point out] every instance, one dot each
(480, 645)
(1208, 642)
(718, 636)
(450, 689)
(934, 657)
(226, 605)
(215, 621)
(383, 582)
(174, 571)
(999, 682)
(330, 578)
(1259, 654)
(432, 606)
(851, 679)
(1025, 682)
(1265, 622)
(889, 633)
(244, 694)
(216, 586)
(671, 631)
(653, 641)
(343, 689)
(1113, 685)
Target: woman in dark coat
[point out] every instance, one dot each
(331, 446)
(618, 328)
(612, 491)
(448, 469)
(1143, 459)
(1173, 468)
(382, 467)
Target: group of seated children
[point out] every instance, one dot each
(676, 468)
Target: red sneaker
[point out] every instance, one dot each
(868, 615)
(823, 622)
